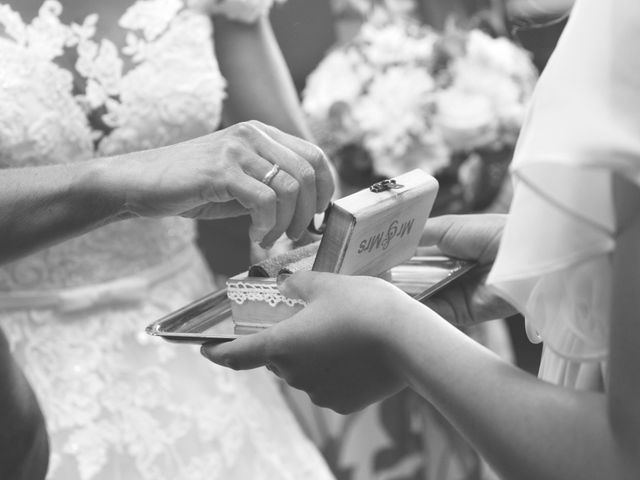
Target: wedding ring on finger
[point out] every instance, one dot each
(271, 174)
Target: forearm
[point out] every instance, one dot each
(259, 83)
(40, 206)
(526, 428)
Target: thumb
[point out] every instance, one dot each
(436, 229)
(472, 237)
(244, 353)
(303, 285)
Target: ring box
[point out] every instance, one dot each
(367, 233)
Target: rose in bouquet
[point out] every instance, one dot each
(401, 95)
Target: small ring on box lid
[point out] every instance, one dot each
(384, 185)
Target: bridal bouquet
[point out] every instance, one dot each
(401, 95)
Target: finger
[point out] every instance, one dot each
(244, 353)
(315, 156)
(259, 200)
(293, 164)
(430, 251)
(442, 305)
(338, 404)
(266, 348)
(287, 191)
(304, 285)
(468, 301)
(474, 237)
(436, 229)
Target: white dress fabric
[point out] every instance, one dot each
(120, 404)
(554, 262)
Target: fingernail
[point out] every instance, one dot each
(297, 236)
(205, 353)
(282, 277)
(267, 246)
(257, 236)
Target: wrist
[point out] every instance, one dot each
(409, 328)
(398, 325)
(100, 181)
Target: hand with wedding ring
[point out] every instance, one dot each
(249, 168)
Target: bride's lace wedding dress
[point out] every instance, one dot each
(119, 404)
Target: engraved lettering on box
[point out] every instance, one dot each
(382, 239)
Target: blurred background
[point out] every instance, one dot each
(387, 86)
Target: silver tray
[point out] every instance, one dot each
(208, 320)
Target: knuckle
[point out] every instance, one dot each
(342, 409)
(325, 400)
(232, 150)
(316, 156)
(266, 197)
(296, 382)
(307, 176)
(255, 124)
(317, 399)
(244, 130)
(291, 186)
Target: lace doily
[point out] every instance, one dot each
(240, 292)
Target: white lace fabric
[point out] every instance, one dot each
(251, 291)
(173, 92)
(122, 405)
(119, 404)
(554, 262)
